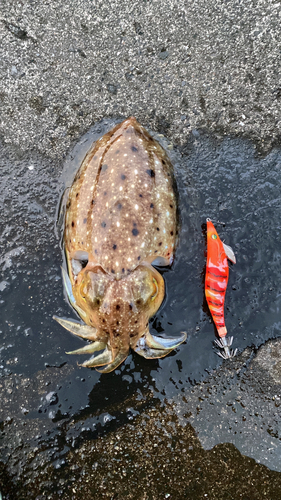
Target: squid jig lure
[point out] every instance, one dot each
(215, 285)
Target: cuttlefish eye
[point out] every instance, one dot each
(93, 287)
(147, 291)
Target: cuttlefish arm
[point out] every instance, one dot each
(89, 348)
(108, 357)
(119, 358)
(102, 359)
(81, 330)
(151, 347)
(99, 343)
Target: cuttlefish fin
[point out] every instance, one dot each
(68, 289)
(61, 214)
(120, 357)
(104, 358)
(89, 348)
(229, 253)
(151, 347)
(84, 331)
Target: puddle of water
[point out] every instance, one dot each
(226, 181)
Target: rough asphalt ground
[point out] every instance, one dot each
(175, 65)
(178, 67)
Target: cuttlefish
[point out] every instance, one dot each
(120, 221)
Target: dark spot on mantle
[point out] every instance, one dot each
(134, 148)
(117, 307)
(160, 243)
(72, 223)
(103, 224)
(171, 233)
(85, 221)
(135, 232)
(151, 205)
(123, 177)
(114, 246)
(150, 172)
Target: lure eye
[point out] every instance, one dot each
(155, 289)
(214, 236)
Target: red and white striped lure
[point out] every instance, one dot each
(216, 283)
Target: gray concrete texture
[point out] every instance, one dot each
(174, 65)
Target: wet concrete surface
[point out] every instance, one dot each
(189, 425)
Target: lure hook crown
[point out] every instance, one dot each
(225, 343)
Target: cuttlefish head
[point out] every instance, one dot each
(116, 313)
(120, 309)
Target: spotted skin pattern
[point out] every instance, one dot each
(122, 206)
(121, 215)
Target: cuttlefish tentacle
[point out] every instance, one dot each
(84, 331)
